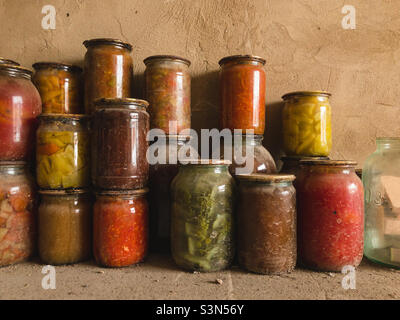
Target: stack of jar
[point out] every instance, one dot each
(19, 107)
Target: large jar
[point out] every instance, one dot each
(242, 90)
(160, 177)
(119, 144)
(330, 207)
(168, 93)
(120, 227)
(60, 87)
(62, 151)
(19, 106)
(381, 178)
(202, 226)
(266, 220)
(65, 226)
(108, 70)
(8, 61)
(306, 124)
(17, 213)
(248, 155)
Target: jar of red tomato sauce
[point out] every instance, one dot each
(120, 227)
(330, 206)
(20, 104)
(242, 89)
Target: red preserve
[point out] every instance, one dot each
(330, 207)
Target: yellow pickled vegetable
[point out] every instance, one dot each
(307, 124)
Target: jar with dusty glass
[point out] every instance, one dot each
(60, 87)
(65, 226)
(167, 90)
(202, 216)
(17, 213)
(19, 107)
(330, 210)
(242, 93)
(266, 220)
(306, 124)
(8, 61)
(381, 179)
(63, 152)
(120, 227)
(119, 144)
(108, 70)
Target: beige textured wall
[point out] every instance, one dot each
(302, 40)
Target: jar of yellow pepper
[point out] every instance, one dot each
(307, 124)
(60, 86)
(62, 151)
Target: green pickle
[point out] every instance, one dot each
(202, 223)
(62, 152)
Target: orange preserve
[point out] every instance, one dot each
(120, 227)
(242, 85)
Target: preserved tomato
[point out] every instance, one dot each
(242, 86)
(19, 107)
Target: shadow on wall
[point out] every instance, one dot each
(138, 86)
(273, 129)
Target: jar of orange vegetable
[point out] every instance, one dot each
(107, 70)
(120, 227)
(242, 86)
(60, 87)
(17, 213)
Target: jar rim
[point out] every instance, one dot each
(110, 102)
(63, 116)
(379, 139)
(332, 163)
(245, 57)
(56, 65)
(166, 57)
(16, 70)
(51, 192)
(261, 177)
(136, 192)
(207, 162)
(107, 41)
(9, 62)
(13, 164)
(306, 93)
(299, 158)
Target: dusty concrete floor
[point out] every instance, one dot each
(158, 278)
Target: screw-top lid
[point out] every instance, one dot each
(306, 93)
(107, 41)
(166, 57)
(243, 57)
(267, 178)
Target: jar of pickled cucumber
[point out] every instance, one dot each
(65, 226)
(202, 226)
(60, 87)
(62, 151)
(307, 124)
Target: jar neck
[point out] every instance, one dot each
(388, 144)
(252, 140)
(324, 169)
(281, 184)
(204, 167)
(13, 171)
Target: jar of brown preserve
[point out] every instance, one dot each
(119, 144)
(266, 216)
(107, 70)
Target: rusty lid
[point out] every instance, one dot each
(107, 41)
(243, 57)
(267, 178)
(56, 65)
(166, 57)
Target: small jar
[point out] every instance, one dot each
(19, 107)
(330, 206)
(266, 217)
(120, 227)
(202, 222)
(60, 87)
(108, 71)
(8, 61)
(291, 165)
(242, 90)
(306, 124)
(65, 226)
(168, 93)
(119, 144)
(17, 213)
(62, 152)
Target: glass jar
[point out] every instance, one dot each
(62, 151)
(108, 71)
(202, 226)
(291, 165)
(266, 220)
(250, 156)
(60, 87)
(330, 207)
(65, 226)
(19, 106)
(120, 227)
(381, 179)
(242, 86)
(306, 124)
(168, 93)
(8, 61)
(17, 213)
(160, 178)
(119, 135)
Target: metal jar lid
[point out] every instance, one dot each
(107, 41)
(69, 192)
(331, 163)
(8, 61)
(166, 57)
(243, 57)
(305, 93)
(267, 178)
(16, 70)
(113, 193)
